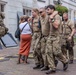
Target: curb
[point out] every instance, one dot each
(4, 59)
(7, 58)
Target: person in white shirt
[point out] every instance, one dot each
(25, 39)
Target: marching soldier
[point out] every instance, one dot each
(45, 27)
(68, 30)
(53, 48)
(36, 39)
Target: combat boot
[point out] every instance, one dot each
(56, 62)
(71, 62)
(51, 71)
(41, 66)
(45, 68)
(65, 66)
(36, 67)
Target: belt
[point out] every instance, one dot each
(44, 35)
(36, 31)
(54, 35)
(67, 34)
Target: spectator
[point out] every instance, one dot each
(25, 38)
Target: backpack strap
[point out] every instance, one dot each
(69, 26)
(63, 23)
(39, 23)
(24, 27)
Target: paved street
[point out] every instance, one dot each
(10, 67)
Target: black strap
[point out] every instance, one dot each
(39, 23)
(24, 27)
(69, 26)
(30, 28)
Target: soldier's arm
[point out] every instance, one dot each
(73, 29)
(57, 22)
(54, 13)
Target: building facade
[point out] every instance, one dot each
(10, 8)
(14, 8)
(71, 5)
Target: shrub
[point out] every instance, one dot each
(61, 9)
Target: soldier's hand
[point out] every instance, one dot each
(56, 24)
(29, 19)
(51, 17)
(69, 38)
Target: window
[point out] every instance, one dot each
(27, 12)
(57, 2)
(69, 13)
(2, 5)
(41, 0)
(73, 0)
(1, 8)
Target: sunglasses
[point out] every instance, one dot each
(41, 12)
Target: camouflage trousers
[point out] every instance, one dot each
(53, 49)
(67, 49)
(36, 47)
(68, 53)
(43, 48)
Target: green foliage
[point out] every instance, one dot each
(61, 9)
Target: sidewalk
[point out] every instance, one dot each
(8, 66)
(11, 52)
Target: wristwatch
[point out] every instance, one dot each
(52, 20)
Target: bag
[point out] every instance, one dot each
(67, 45)
(18, 32)
(3, 31)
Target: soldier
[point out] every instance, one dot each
(53, 48)
(36, 39)
(2, 16)
(45, 27)
(68, 33)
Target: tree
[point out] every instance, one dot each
(61, 9)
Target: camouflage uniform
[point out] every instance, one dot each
(53, 48)
(1, 19)
(36, 46)
(45, 32)
(2, 16)
(67, 29)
